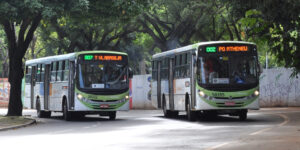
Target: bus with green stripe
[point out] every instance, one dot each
(207, 79)
(79, 83)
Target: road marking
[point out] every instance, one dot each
(286, 120)
(220, 145)
(260, 131)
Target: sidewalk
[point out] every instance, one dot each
(13, 122)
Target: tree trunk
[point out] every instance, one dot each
(16, 74)
(17, 48)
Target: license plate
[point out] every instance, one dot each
(104, 106)
(229, 103)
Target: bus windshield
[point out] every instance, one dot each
(230, 69)
(102, 75)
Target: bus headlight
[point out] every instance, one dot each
(201, 94)
(79, 96)
(256, 93)
(126, 97)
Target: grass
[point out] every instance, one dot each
(8, 121)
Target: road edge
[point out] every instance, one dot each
(32, 121)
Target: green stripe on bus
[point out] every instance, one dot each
(103, 98)
(244, 93)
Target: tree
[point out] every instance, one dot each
(20, 19)
(107, 25)
(177, 23)
(3, 55)
(277, 23)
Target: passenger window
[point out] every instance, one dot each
(53, 71)
(66, 71)
(38, 73)
(42, 72)
(59, 71)
(28, 74)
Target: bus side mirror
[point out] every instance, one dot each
(130, 72)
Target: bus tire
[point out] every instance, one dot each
(167, 113)
(112, 115)
(41, 113)
(191, 115)
(243, 115)
(175, 114)
(66, 113)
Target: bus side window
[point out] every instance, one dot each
(177, 67)
(66, 70)
(42, 72)
(182, 66)
(188, 63)
(53, 71)
(164, 69)
(59, 71)
(154, 70)
(38, 73)
(28, 74)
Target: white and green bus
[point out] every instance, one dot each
(80, 83)
(207, 78)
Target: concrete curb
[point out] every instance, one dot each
(32, 121)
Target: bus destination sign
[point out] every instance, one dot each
(222, 49)
(103, 57)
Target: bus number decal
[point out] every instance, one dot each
(218, 94)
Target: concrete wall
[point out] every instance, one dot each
(278, 89)
(141, 88)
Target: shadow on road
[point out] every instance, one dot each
(230, 120)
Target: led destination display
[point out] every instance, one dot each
(214, 49)
(103, 57)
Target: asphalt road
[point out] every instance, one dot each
(274, 129)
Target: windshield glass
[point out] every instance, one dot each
(103, 75)
(232, 69)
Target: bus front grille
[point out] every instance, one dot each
(236, 104)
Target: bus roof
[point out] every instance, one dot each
(70, 56)
(195, 46)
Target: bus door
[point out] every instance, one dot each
(171, 81)
(32, 84)
(193, 68)
(71, 86)
(158, 84)
(47, 86)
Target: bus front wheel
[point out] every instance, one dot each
(167, 113)
(112, 115)
(243, 115)
(66, 114)
(191, 115)
(41, 113)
